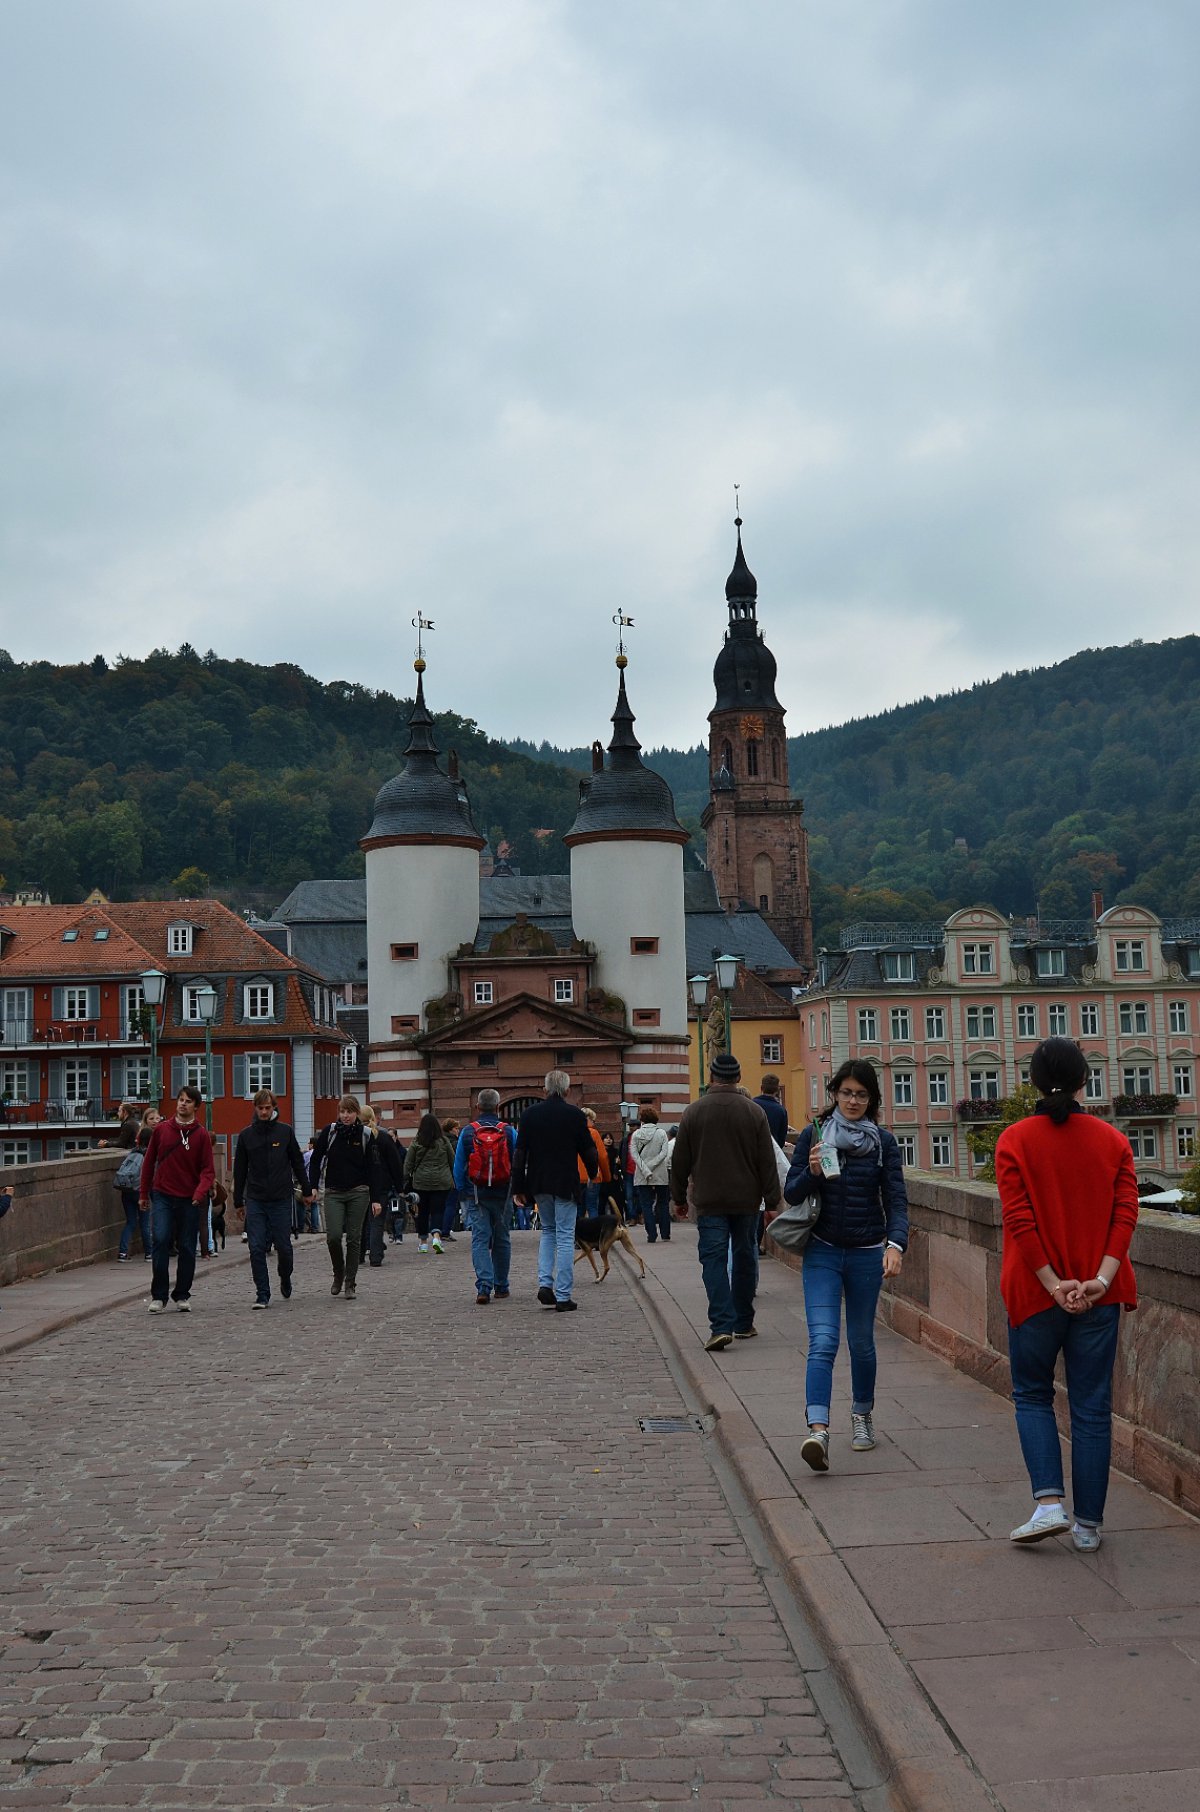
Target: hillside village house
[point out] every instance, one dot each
(950, 1015)
(75, 1030)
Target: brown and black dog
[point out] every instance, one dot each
(599, 1233)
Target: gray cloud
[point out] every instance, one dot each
(313, 316)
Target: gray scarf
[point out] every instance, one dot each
(858, 1137)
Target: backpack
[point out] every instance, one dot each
(490, 1163)
(128, 1174)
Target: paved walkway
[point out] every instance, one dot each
(404, 1552)
(1036, 1679)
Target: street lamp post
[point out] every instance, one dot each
(727, 968)
(154, 990)
(206, 1006)
(699, 987)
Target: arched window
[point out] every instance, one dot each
(727, 755)
(764, 883)
(774, 759)
(752, 756)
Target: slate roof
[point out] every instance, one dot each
(744, 671)
(422, 801)
(625, 795)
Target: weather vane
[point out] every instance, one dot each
(623, 623)
(421, 624)
(737, 507)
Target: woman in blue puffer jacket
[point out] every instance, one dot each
(857, 1240)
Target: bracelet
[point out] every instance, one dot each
(1106, 1282)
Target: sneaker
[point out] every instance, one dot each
(482, 1300)
(546, 1296)
(157, 1307)
(437, 1243)
(863, 1438)
(351, 1293)
(184, 1305)
(745, 1333)
(335, 1288)
(1053, 1520)
(716, 1343)
(260, 1304)
(122, 1258)
(1086, 1540)
(422, 1246)
(815, 1449)
(449, 1238)
(564, 1308)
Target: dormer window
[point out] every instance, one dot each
(258, 1000)
(899, 966)
(191, 1003)
(484, 993)
(1129, 955)
(564, 990)
(978, 959)
(1051, 962)
(179, 940)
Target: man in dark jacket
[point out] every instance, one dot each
(725, 1150)
(550, 1139)
(773, 1108)
(348, 1153)
(268, 1168)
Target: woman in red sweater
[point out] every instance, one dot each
(1068, 1198)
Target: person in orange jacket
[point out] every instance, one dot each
(591, 1191)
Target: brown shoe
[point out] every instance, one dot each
(335, 1288)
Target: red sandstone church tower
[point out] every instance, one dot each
(757, 843)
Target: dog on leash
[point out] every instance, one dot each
(599, 1233)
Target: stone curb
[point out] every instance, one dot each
(123, 1294)
(926, 1770)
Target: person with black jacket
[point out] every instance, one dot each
(391, 1156)
(268, 1168)
(348, 1154)
(551, 1138)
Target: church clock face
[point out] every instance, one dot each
(752, 729)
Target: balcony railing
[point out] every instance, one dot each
(16, 1032)
(971, 1109)
(1144, 1107)
(93, 1111)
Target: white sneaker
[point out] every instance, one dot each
(437, 1243)
(814, 1450)
(156, 1307)
(1086, 1540)
(184, 1305)
(863, 1437)
(1053, 1520)
(422, 1246)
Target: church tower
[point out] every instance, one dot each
(757, 844)
(422, 863)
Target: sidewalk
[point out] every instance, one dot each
(42, 1305)
(1037, 1679)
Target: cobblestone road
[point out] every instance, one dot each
(405, 1552)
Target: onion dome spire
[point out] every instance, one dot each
(422, 804)
(624, 796)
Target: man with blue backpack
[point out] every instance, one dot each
(483, 1172)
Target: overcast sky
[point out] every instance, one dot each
(315, 314)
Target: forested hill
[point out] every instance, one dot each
(124, 778)
(1039, 786)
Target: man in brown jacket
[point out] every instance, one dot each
(725, 1150)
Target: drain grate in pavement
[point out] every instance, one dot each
(670, 1424)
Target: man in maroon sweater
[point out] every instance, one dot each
(177, 1175)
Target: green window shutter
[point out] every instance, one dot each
(58, 1003)
(218, 1077)
(178, 1075)
(241, 1087)
(279, 1074)
(95, 1079)
(93, 1003)
(34, 1073)
(54, 1150)
(56, 1079)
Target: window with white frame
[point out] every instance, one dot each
(899, 966)
(76, 1145)
(824, 1028)
(1181, 1079)
(260, 1071)
(770, 1050)
(482, 993)
(1129, 955)
(1133, 1017)
(1094, 1087)
(981, 1022)
(179, 940)
(1137, 1079)
(908, 1148)
(1023, 1074)
(939, 1088)
(349, 1056)
(1027, 1022)
(258, 1000)
(868, 1025)
(1144, 1141)
(14, 1079)
(76, 1078)
(1056, 1019)
(1185, 1141)
(564, 989)
(902, 1089)
(983, 1085)
(1177, 1015)
(75, 1003)
(901, 1020)
(940, 1151)
(1051, 962)
(935, 1022)
(15, 1151)
(191, 1002)
(137, 1078)
(194, 1071)
(1089, 1020)
(978, 959)
(815, 1091)
(1193, 963)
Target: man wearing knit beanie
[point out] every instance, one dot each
(725, 1151)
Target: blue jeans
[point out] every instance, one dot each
(449, 1213)
(134, 1217)
(729, 1264)
(1088, 1344)
(489, 1217)
(175, 1218)
(831, 1272)
(269, 1224)
(654, 1205)
(556, 1248)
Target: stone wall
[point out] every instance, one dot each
(948, 1298)
(63, 1214)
